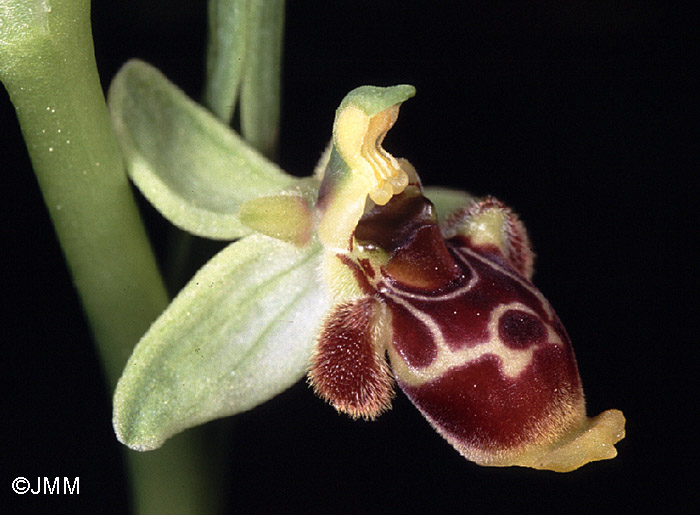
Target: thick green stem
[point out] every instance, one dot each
(52, 80)
(47, 65)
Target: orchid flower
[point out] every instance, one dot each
(358, 277)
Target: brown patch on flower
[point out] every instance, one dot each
(349, 369)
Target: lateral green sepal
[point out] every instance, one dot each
(447, 201)
(239, 333)
(194, 169)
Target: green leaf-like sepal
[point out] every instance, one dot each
(194, 169)
(447, 201)
(239, 333)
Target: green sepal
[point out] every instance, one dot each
(239, 333)
(447, 201)
(194, 169)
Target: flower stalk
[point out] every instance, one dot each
(48, 67)
(52, 80)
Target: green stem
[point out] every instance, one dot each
(226, 52)
(52, 80)
(182, 477)
(47, 65)
(244, 55)
(260, 92)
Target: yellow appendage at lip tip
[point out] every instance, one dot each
(593, 440)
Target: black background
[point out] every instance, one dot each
(577, 114)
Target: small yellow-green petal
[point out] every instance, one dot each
(285, 217)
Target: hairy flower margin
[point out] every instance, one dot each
(357, 276)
